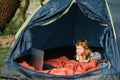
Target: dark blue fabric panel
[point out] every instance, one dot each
(114, 6)
(88, 29)
(23, 43)
(58, 33)
(111, 49)
(95, 10)
(51, 10)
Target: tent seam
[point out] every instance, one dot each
(111, 20)
(59, 16)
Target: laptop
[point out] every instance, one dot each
(37, 58)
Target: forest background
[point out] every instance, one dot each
(13, 13)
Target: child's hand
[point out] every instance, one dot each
(81, 59)
(87, 60)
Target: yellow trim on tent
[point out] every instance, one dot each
(45, 1)
(29, 18)
(26, 22)
(111, 20)
(60, 15)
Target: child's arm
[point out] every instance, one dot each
(82, 59)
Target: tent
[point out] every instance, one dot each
(59, 24)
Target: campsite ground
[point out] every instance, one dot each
(5, 47)
(3, 57)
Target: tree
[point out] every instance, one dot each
(7, 11)
(16, 8)
(20, 15)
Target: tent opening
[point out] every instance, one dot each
(58, 38)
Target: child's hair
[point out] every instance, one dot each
(84, 44)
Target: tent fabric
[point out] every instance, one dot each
(24, 43)
(23, 74)
(109, 39)
(49, 11)
(65, 31)
(62, 28)
(114, 8)
(91, 7)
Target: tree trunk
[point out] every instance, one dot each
(20, 15)
(27, 2)
(7, 11)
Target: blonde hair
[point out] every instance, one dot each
(84, 44)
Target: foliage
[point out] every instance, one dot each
(3, 56)
(10, 29)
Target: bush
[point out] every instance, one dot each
(10, 29)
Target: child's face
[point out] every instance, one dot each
(79, 50)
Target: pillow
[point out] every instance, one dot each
(100, 50)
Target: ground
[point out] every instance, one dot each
(6, 43)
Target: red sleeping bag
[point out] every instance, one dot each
(67, 67)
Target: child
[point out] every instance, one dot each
(82, 51)
(84, 54)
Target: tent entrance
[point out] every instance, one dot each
(58, 38)
(59, 55)
(70, 28)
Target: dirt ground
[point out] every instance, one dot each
(6, 41)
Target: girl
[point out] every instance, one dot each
(82, 51)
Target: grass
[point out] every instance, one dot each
(10, 28)
(3, 56)
(4, 53)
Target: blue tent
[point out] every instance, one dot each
(59, 24)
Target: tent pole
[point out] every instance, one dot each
(111, 20)
(26, 22)
(74, 1)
